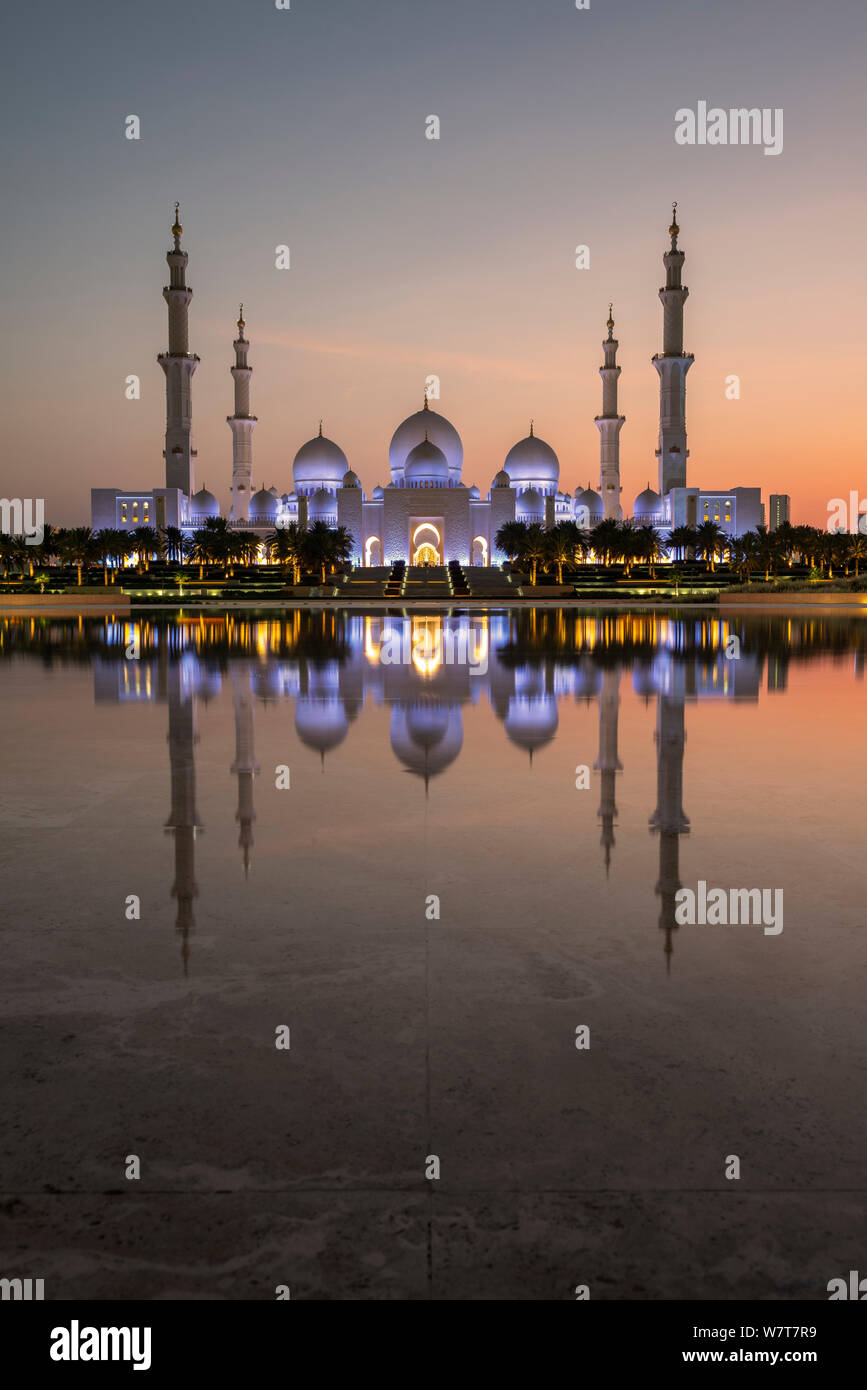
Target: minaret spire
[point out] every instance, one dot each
(609, 425)
(672, 364)
(242, 424)
(179, 364)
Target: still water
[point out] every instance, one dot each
(440, 851)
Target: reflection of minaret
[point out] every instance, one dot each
(183, 822)
(245, 764)
(608, 762)
(668, 820)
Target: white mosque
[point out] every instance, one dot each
(426, 514)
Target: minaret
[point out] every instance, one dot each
(245, 765)
(609, 424)
(178, 364)
(672, 364)
(608, 762)
(668, 820)
(242, 424)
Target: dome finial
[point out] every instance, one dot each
(241, 323)
(425, 406)
(610, 324)
(320, 429)
(531, 429)
(673, 229)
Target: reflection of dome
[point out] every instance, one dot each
(426, 466)
(412, 431)
(532, 721)
(350, 479)
(647, 503)
(204, 503)
(532, 462)
(530, 505)
(322, 506)
(321, 723)
(427, 737)
(586, 497)
(502, 479)
(319, 463)
(263, 504)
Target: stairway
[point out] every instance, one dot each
(427, 581)
(396, 579)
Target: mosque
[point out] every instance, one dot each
(426, 514)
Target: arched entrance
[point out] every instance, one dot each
(373, 551)
(480, 551)
(426, 545)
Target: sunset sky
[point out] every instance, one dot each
(411, 256)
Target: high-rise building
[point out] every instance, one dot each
(778, 509)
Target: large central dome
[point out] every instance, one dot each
(319, 463)
(532, 463)
(425, 424)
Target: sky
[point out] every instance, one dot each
(409, 256)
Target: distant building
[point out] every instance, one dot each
(778, 509)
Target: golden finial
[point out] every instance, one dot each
(425, 406)
(177, 229)
(531, 429)
(610, 324)
(320, 429)
(241, 323)
(673, 229)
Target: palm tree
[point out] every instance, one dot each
(147, 541)
(510, 539)
(103, 551)
(533, 548)
(343, 544)
(858, 550)
(745, 554)
(607, 541)
(711, 540)
(563, 543)
(683, 539)
(26, 555)
(318, 547)
(648, 547)
(78, 547)
(8, 551)
(173, 539)
(204, 548)
(286, 546)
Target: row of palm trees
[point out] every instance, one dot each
(531, 546)
(317, 550)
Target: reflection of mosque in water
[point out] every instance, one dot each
(523, 680)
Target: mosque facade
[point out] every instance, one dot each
(425, 514)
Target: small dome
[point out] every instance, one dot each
(350, 479)
(586, 497)
(530, 505)
(647, 503)
(263, 503)
(502, 479)
(426, 466)
(320, 462)
(378, 493)
(474, 493)
(322, 505)
(204, 503)
(532, 461)
(413, 430)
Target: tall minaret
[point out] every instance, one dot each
(242, 424)
(609, 424)
(672, 364)
(178, 364)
